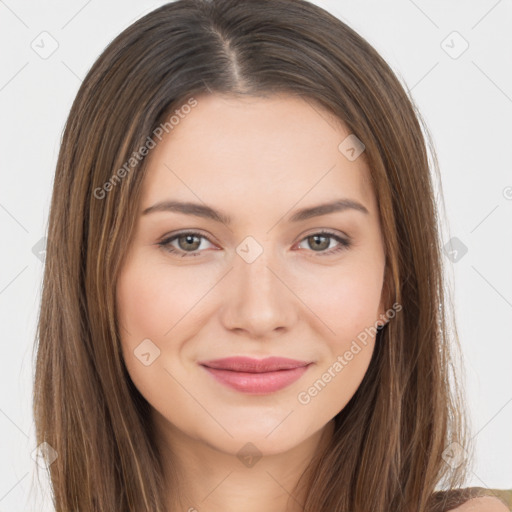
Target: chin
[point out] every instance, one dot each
(263, 441)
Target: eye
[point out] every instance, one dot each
(189, 243)
(322, 241)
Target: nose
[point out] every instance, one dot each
(258, 300)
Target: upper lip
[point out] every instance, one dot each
(250, 365)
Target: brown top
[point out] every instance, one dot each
(443, 501)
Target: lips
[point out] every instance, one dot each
(248, 364)
(256, 376)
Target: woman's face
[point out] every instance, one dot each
(263, 284)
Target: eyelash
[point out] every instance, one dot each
(344, 244)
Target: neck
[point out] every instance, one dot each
(202, 477)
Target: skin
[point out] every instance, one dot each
(257, 159)
(483, 504)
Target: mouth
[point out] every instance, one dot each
(256, 376)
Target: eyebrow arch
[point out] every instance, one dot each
(207, 212)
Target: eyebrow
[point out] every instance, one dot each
(201, 210)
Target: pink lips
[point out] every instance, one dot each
(257, 376)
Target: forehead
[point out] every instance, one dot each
(282, 149)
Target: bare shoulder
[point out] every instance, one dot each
(482, 504)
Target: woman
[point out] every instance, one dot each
(243, 296)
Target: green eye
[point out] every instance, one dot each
(184, 239)
(317, 241)
(192, 240)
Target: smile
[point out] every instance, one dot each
(256, 376)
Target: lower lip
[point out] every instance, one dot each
(257, 383)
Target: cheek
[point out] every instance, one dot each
(333, 384)
(345, 299)
(152, 298)
(349, 307)
(159, 303)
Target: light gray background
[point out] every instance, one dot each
(466, 102)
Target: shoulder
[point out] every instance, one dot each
(482, 504)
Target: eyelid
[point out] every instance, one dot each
(170, 237)
(176, 234)
(326, 231)
(344, 241)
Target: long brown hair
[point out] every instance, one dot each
(388, 448)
